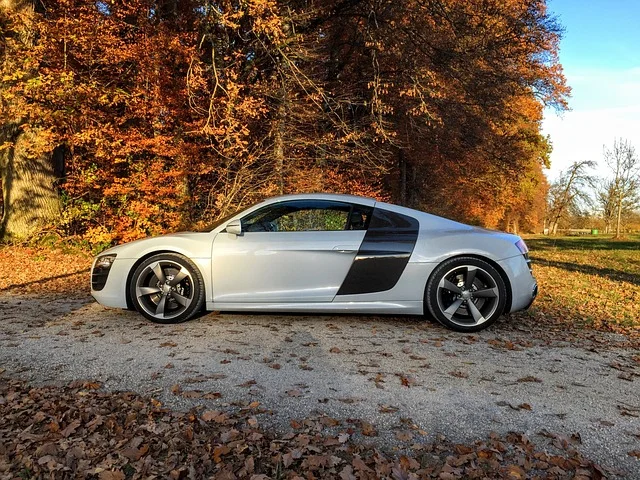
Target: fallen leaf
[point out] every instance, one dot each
(368, 429)
(72, 427)
(404, 436)
(406, 380)
(388, 409)
(111, 475)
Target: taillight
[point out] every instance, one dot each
(524, 250)
(522, 247)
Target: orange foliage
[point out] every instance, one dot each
(177, 112)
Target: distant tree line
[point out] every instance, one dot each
(577, 198)
(121, 119)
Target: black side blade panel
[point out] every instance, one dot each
(383, 255)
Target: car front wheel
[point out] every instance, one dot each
(466, 294)
(167, 288)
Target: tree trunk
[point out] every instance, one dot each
(403, 177)
(278, 140)
(619, 216)
(30, 200)
(28, 187)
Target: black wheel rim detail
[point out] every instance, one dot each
(164, 289)
(468, 295)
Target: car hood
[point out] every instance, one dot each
(192, 244)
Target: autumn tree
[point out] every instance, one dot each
(30, 163)
(623, 189)
(174, 113)
(455, 91)
(605, 201)
(569, 192)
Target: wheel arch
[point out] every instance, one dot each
(493, 263)
(142, 259)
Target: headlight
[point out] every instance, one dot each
(100, 271)
(105, 261)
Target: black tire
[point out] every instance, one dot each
(465, 294)
(167, 288)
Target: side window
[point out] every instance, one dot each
(359, 217)
(307, 216)
(313, 219)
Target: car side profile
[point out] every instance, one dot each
(322, 253)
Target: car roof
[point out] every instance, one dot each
(338, 197)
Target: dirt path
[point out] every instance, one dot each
(403, 379)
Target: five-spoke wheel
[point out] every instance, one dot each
(167, 288)
(466, 294)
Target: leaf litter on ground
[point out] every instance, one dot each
(78, 430)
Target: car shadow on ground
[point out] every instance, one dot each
(581, 243)
(413, 320)
(609, 273)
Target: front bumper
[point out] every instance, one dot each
(114, 293)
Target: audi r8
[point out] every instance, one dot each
(322, 253)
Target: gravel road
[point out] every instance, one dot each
(393, 373)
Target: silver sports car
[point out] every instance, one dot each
(322, 253)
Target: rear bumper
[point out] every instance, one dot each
(534, 294)
(524, 287)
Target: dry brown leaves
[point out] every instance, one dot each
(588, 282)
(43, 271)
(59, 432)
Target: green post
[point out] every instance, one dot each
(594, 231)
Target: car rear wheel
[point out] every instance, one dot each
(167, 288)
(466, 294)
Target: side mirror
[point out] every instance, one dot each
(234, 227)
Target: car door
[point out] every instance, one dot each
(289, 251)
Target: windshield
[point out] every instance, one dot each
(222, 220)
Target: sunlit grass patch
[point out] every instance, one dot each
(591, 280)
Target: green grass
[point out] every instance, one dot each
(592, 281)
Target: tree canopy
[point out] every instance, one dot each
(171, 113)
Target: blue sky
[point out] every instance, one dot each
(600, 53)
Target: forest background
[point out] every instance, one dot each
(122, 119)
